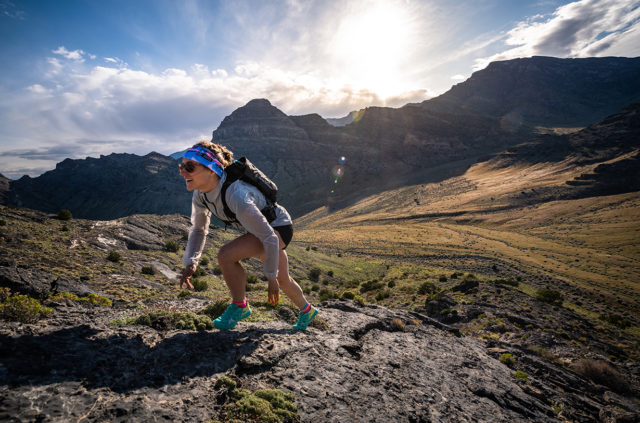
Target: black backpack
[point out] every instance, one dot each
(244, 170)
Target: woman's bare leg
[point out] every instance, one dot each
(288, 285)
(229, 258)
(234, 275)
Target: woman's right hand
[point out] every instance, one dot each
(186, 276)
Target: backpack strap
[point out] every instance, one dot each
(225, 207)
(269, 211)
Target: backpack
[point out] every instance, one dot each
(244, 170)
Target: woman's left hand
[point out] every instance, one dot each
(273, 292)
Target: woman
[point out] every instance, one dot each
(202, 168)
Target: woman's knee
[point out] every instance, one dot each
(225, 255)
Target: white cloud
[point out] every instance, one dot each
(580, 29)
(71, 55)
(137, 111)
(458, 77)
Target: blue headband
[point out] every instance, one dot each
(205, 157)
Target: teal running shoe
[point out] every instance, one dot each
(305, 318)
(231, 316)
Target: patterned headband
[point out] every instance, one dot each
(205, 157)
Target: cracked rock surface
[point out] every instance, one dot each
(365, 367)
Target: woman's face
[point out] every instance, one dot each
(200, 178)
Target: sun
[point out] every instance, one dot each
(371, 44)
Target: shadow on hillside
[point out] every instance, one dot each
(118, 362)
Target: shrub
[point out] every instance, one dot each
(265, 405)
(65, 228)
(398, 325)
(200, 285)
(251, 279)
(172, 246)
(371, 285)
(330, 273)
(443, 278)
(199, 272)
(65, 214)
(521, 375)
(226, 382)
(427, 288)
(358, 299)
(217, 271)
(23, 309)
(326, 294)
(391, 284)
(454, 276)
(184, 294)
(3, 222)
(509, 282)
(114, 256)
(164, 320)
(148, 270)
(616, 320)
(215, 309)
(507, 359)
(382, 295)
(350, 295)
(601, 373)
(204, 261)
(96, 299)
(549, 296)
(314, 274)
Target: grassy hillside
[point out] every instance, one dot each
(502, 222)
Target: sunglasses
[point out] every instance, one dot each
(188, 167)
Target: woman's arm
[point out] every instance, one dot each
(249, 216)
(200, 218)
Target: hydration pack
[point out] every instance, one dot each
(242, 169)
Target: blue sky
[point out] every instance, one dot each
(84, 78)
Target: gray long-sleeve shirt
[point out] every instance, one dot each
(245, 201)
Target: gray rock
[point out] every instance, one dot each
(363, 368)
(38, 283)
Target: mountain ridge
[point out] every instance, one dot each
(393, 147)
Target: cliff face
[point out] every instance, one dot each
(110, 186)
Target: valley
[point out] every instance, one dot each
(500, 222)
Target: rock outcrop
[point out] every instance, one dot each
(363, 368)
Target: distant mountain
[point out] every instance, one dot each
(546, 91)
(315, 163)
(107, 187)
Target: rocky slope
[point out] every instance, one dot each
(356, 363)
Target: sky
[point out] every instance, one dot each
(82, 78)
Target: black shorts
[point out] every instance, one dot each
(286, 233)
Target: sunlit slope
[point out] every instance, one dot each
(492, 217)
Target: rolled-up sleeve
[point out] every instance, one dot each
(249, 216)
(200, 218)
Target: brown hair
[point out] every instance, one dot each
(221, 152)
